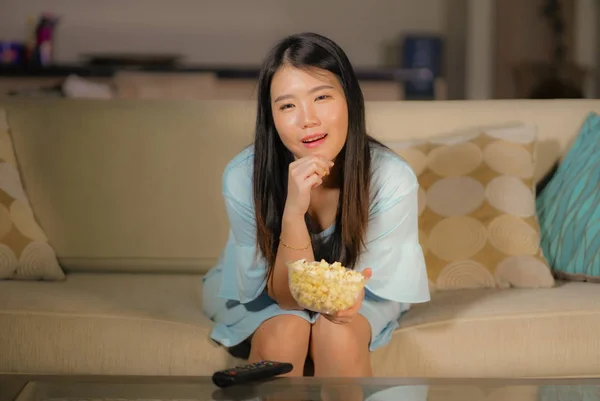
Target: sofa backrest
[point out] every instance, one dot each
(129, 185)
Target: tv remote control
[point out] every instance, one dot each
(251, 372)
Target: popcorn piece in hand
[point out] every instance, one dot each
(323, 287)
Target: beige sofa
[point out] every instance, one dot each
(129, 195)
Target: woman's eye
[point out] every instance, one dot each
(285, 106)
(323, 97)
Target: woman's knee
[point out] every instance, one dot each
(341, 349)
(284, 338)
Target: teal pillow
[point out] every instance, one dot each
(569, 209)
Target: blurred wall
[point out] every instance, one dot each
(234, 32)
(587, 42)
(456, 30)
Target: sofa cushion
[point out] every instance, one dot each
(549, 332)
(107, 324)
(152, 324)
(569, 209)
(24, 249)
(477, 217)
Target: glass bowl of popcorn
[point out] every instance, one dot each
(323, 287)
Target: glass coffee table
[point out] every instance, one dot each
(123, 388)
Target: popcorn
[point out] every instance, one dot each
(323, 287)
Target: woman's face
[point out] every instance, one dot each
(309, 111)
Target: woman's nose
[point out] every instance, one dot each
(309, 117)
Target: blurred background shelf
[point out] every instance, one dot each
(189, 82)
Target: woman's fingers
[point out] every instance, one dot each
(314, 181)
(337, 319)
(350, 312)
(314, 165)
(311, 172)
(353, 310)
(346, 316)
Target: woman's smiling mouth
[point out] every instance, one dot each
(311, 141)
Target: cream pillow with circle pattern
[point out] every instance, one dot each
(477, 216)
(24, 250)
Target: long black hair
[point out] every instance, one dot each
(272, 158)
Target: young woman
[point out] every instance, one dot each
(314, 185)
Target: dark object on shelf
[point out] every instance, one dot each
(43, 53)
(421, 52)
(132, 59)
(13, 53)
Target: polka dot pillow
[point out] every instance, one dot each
(25, 253)
(477, 215)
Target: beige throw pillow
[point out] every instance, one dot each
(24, 250)
(477, 215)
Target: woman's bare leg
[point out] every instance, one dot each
(283, 338)
(341, 350)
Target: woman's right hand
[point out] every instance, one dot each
(304, 175)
